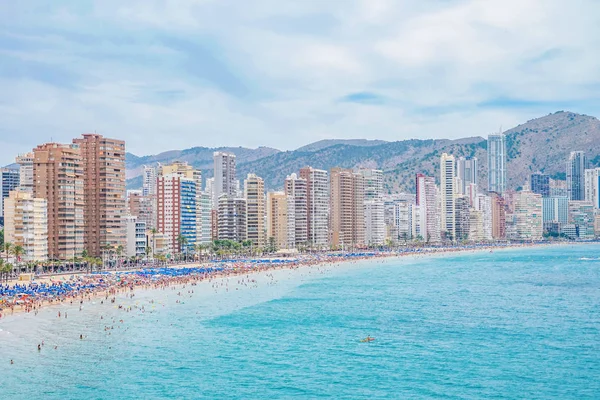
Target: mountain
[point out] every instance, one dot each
(542, 144)
(199, 157)
(322, 144)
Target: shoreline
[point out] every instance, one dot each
(110, 285)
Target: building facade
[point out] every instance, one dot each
(58, 178)
(26, 225)
(232, 218)
(103, 166)
(497, 163)
(224, 167)
(576, 166)
(296, 189)
(254, 193)
(9, 181)
(317, 201)
(448, 196)
(347, 192)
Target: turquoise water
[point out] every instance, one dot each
(512, 324)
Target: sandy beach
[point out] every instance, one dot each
(29, 297)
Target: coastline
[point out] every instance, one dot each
(113, 285)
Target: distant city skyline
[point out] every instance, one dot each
(167, 75)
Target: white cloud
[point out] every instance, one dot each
(181, 73)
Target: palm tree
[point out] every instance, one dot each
(182, 241)
(153, 231)
(17, 251)
(119, 253)
(7, 249)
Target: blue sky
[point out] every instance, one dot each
(180, 73)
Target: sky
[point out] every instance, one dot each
(173, 74)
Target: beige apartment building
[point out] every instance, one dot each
(347, 221)
(281, 219)
(254, 192)
(26, 224)
(58, 178)
(103, 166)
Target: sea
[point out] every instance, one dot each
(509, 324)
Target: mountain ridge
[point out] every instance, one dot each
(540, 144)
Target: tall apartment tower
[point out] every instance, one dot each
(179, 196)
(540, 184)
(497, 163)
(373, 183)
(9, 181)
(347, 202)
(426, 200)
(149, 175)
(295, 189)
(105, 200)
(58, 178)
(576, 176)
(27, 224)
(25, 162)
(281, 219)
(231, 219)
(224, 176)
(448, 195)
(498, 216)
(466, 172)
(592, 186)
(254, 193)
(317, 189)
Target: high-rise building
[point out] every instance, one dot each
(448, 195)
(317, 189)
(179, 198)
(254, 193)
(498, 219)
(58, 178)
(295, 189)
(540, 184)
(149, 176)
(373, 183)
(466, 172)
(592, 186)
(581, 216)
(224, 176)
(426, 199)
(136, 237)
(281, 218)
(26, 225)
(374, 222)
(232, 218)
(347, 221)
(483, 205)
(25, 162)
(576, 166)
(528, 216)
(555, 210)
(497, 163)
(105, 208)
(205, 216)
(9, 181)
(462, 218)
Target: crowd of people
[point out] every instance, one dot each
(29, 297)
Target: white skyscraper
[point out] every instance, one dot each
(448, 195)
(466, 172)
(592, 186)
(317, 188)
(429, 213)
(149, 176)
(497, 163)
(224, 174)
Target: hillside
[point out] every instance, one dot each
(542, 144)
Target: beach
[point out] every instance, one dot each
(30, 297)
